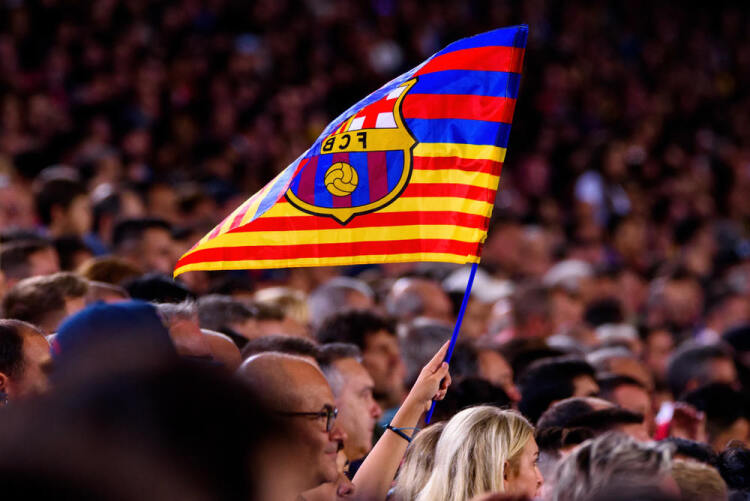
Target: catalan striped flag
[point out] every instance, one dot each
(407, 174)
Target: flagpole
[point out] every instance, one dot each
(456, 329)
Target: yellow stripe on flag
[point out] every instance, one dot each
(473, 151)
(455, 176)
(404, 204)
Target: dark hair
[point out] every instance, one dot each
(37, 299)
(67, 247)
(217, 312)
(56, 192)
(330, 353)
(282, 344)
(467, 393)
(465, 360)
(734, 466)
(353, 327)
(15, 256)
(603, 311)
(522, 352)
(608, 383)
(694, 450)
(692, 362)
(547, 381)
(560, 414)
(552, 438)
(110, 269)
(722, 404)
(158, 288)
(130, 230)
(11, 347)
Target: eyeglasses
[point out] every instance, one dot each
(328, 412)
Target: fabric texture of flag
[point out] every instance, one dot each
(407, 174)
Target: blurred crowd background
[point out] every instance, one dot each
(619, 238)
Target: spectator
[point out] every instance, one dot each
(27, 258)
(110, 270)
(550, 380)
(532, 313)
(630, 394)
(158, 288)
(622, 362)
(292, 303)
(63, 207)
(483, 361)
(470, 392)
(46, 300)
(25, 361)
(145, 242)
(594, 415)
(418, 341)
(281, 344)
(182, 322)
(481, 450)
(418, 463)
(690, 450)
(230, 316)
(693, 366)
(296, 389)
(726, 413)
(698, 481)
(108, 293)
(410, 298)
(352, 388)
(590, 469)
(338, 295)
(381, 356)
(734, 465)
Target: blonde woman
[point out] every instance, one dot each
(484, 449)
(418, 462)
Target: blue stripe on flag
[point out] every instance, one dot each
(451, 130)
(469, 82)
(514, 36)
(276, 190)
(394, 160)
(361, 194)
(323, 197)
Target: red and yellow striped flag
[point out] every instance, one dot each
(407, 174)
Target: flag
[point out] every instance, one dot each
(407, 174)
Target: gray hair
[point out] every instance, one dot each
(601, 358)
(216, 312)
(169, 312)
(333, 297)
(419, 341)
(610, 458)
(330, 353)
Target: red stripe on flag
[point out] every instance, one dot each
(459, 163)
(490, 108)
(330, 250)
(492, 58)
(449, 190)
(374, 219)
(306, 189)
(377, 174)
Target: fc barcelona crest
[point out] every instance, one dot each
(362, 166)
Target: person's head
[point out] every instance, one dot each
(410, 298)
(46, 300)
(734, 466)
(352, 387)
(72, 251)
(381, 355)
(658, 345)
(470, 392)
(64, 207)
(698, 481)
(109, 269)
(629, 394)
(107, 293)
(595, 415)
(419, 340)
(481, 450)
(25, 359)
(610, 458)
(532, 312)
(145, 242)
(550, 380)
(292, 302)
(690, 450)
(340, 490)
(290, 345)
(726, 412)
(418, 462)
(181, 320)
(158, 288)
(27, 258)
(692, 366)
(298, 391)
(230, 316)
(619, 360)
(471, 359)
(338, 295)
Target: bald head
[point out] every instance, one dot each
(284, 381)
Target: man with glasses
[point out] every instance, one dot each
(297, 391)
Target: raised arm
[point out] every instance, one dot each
(374, 477)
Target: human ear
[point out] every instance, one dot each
(3, 382)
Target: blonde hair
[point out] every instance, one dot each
(291, 301)
(472, 452)
(698, 481)
(418, 462)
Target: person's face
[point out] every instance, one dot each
(315, 448)
(33, 379)
(382, 359)
(636, 399)
(79, 216)
(157, 251)
(723, 371)
(358, 411)
(740, 430)
(584, 386)
(339, 490)
(494, 368)
(44, 262)
(525, 479)
(659, 346)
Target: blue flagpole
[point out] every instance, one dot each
(456, 329)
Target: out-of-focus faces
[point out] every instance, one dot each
(636, 399)
(524, 479)
(37, 363)
(382, 359)
(79, 217)
(157, 252)
(494, 368)
(44, 262)
(585, 386)
(658, 347)
(339, 490)
(723, 371)
(358, 410)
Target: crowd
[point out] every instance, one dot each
(605, 349)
